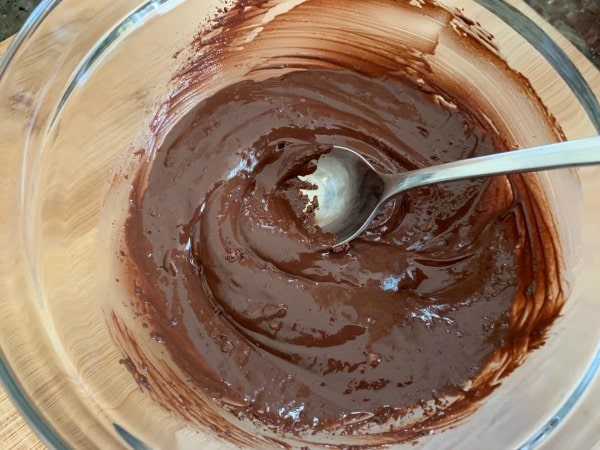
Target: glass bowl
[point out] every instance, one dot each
(78, 85)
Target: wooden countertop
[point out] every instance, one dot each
(15, 433)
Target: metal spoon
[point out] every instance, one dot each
(350, 191)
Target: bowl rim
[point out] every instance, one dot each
(8, 380)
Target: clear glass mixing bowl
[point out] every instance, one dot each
(77, 86)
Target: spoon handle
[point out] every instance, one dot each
(579, 152)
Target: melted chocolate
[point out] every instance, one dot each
(421, 315)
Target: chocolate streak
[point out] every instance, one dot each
(403, 332)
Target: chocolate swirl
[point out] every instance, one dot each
(402, 332)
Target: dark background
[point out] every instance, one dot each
(578, 20)
(13, 13)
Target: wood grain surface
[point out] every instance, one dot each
(15, 433)
(3, 45)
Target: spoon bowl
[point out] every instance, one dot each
(347, 186)
(350, 191)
